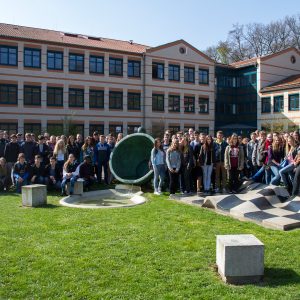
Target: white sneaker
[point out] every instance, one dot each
(156, 193)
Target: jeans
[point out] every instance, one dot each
(268, 175)
(20, 184)
(185, 179)
(56, 185)
(287, 175)
(275, 175)
(40, 180)
(207, 170)
(220, 175)
(296, 182)
(72, 181)
(159, 176)
(173, 182)
(258, 176)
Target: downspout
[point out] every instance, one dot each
(144, 91)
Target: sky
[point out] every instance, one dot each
(154, 22)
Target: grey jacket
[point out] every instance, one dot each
(173, 160)
(227, 164)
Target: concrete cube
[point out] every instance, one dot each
(78, 188)
(240, 258)
(34, 195)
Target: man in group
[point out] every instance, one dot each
(42, 150)
(11, 151)
(86, 172)
(221, 175)
(2, 143)
(101, 158)
(38, 172)
(19, 139)
(27, 148)
(250, 147)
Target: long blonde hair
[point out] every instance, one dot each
(60, 145)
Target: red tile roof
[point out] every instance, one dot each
(290, 82)
(57, 37)
(245, 63)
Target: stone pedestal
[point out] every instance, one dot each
(34, 195)
(240, 258)
(78, 188)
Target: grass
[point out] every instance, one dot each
(160, 250)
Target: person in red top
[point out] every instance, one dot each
(234, 162)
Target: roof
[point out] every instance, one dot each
(245, 63)
(64, 38)
(290, 82)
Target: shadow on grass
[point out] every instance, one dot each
(275, 277)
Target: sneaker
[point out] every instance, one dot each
(159, 190)
(171, 196)
(156, 193)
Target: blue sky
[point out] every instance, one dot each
(155, 22)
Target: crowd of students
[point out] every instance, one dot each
(184, 162)
(54, 160)
(195, 162)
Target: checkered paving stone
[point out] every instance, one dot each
(259, 215)
(229, 202)
(293, 206)
(262, 203)
(267, 192)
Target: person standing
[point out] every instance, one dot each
(28, 148)
(11, 151)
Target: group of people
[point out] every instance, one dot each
(195, 162)
(54, 160)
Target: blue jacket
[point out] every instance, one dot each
(101, 153)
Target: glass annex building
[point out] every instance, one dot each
(236, 99)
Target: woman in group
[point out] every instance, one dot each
(72, 148)
(60, 153)
(207, 161)
(187, 163)
(87, 149)
(158, 161)
(287, 172)
(234, 162)
(70, 174)
(173, 160)
(5, 177)
(21, 172)
(275, 157)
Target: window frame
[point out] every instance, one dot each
(77, 90)
(186, 103)
(275, 104)
(96, 57)
(134, 67)
(40, 58)
(76, 55)
(293, 109)
(62, 60)
(115, 107)
(263, 109)
(111, 59)
(206, 100)
(155, 95)
(173, 105)
(157, 64)
(96, 127)
(8, 48)
(91, 91)
(8, 92)
(203, 129)
(134, 107)
(201, 77)
(115, 126)
(173, 72)
(55, 89)
(31, 130)
(7, 126)
(32, 87)
(187, 72)
(130, 126)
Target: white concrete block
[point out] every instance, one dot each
(34, 195)
(240, 258)
(78, 188)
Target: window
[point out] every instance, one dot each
(203, 76)
(189, 74)
(97, 64)
(266, 105)
(134, 68)
(96, 127)
(174, 72)
(278, 103)
(9, 127)
(116, 66)
(158, 71)
(32, 58)
(32, 128)
(189, 104)
(203, 106)
(204, 129)
(8, 94)
(294, 102)
(158, 102)
(8, 56)
(132, 129)
(55, 129)
(96, 99)
(55, 60)
(76, 62)
(115, 129)
(55, 96)
(174, 128)
(76, 98)
(32, 95)
(116, 100)
(74, 129)
(134, 101)
(174, 103)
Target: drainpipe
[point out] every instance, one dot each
(144, 91)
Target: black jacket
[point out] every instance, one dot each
(28, 148)
(44, 153)
(74, 149)
(11, 152)
(2, 147)
(35, 171)
(58, 174)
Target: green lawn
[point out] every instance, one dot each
(160, 250)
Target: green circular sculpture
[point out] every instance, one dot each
(129, 160)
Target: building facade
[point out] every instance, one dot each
(53, 81)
